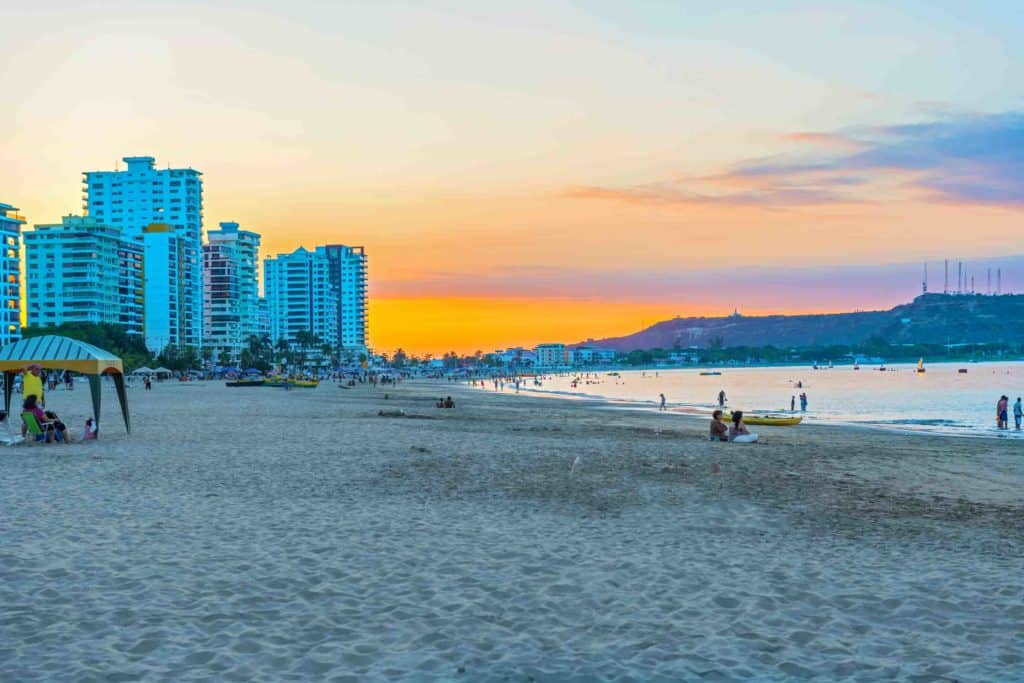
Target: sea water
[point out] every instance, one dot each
(941, 399)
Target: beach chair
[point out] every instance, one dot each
(34, 428)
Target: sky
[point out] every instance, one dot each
(531, 172)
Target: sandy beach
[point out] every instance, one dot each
(264, 535)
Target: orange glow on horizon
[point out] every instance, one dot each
(466, 325)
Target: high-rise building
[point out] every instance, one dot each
(230, 290)
(10, 274)
(322, 291)
(263, 328)
(70, 273)
(163, 260)
(300, 297)
(172, 199)
(347, 266)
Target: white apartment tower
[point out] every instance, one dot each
(148, 203)
(322, 291)
(230, 290)
(348, 276)
(10, 274)
(81, 271)
(299, 296)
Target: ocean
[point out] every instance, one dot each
(940, 400)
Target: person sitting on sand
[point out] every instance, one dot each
(89, 433)
(738, 432)
(60, 429)
(719, 432)
(49, 429)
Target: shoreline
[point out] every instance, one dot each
(642, 407)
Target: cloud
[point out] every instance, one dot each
(973, 159)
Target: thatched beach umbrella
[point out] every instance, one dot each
(57, 353)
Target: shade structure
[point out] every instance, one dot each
(63, 353)
(163, 371)
(142, 371)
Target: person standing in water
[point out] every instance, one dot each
(803, 402)
(662, 406)
(792, 404)
(1018, 412)
(721, 398)
(1002, 420)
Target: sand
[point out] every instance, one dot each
(257, 534)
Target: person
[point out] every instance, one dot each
(147, 382)
(662, 406)
(721, 398)
(1018, 412)
(449, 403)
(1001, 418)
(60, 429)
(738, 432)
(32, 384)
(31, 405)
(792, 404)
(803, 402)
(718, 431)
(89, 433)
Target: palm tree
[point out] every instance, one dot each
(283, 347)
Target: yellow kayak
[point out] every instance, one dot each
(773, 420)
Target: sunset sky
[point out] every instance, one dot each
(552, 171)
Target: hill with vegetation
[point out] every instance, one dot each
(944, 319)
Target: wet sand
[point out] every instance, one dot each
(258, 534)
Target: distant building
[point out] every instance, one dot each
(230, 290)
(517, 356)
(299, 297)
(10, 274)
(347, 275)
(263, 318)
(142, 196)
(163, 262)
(551, 356)
(81, 271)
(591, 355)
(321, 291)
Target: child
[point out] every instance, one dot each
(89, 433)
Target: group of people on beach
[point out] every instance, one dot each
(50, 427)
(736, 432)
(1002, 413)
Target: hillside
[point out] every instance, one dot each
(930, 318)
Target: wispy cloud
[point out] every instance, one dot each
(974, 159)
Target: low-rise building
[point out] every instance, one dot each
(551, 356)
(591, 355)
